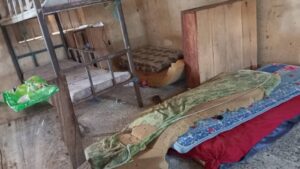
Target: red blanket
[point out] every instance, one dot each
(233, 145)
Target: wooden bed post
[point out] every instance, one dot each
(12, 54)
(190, 48)
(69, 124)
(129, 54)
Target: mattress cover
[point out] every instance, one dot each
(209, 128)
(233, 145)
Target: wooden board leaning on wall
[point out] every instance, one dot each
(219, 38)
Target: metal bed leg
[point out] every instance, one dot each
(47, 38)
(88, 71)
(12, 54)
(62, 35)
(129, 54)
(65, 109)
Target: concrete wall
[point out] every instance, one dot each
(279, 31)
(163, 19)
(278, 26)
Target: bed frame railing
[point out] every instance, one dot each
(16, 7)
(89, 58)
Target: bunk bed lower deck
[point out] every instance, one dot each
(78, 79)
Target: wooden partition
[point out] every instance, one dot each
(219, 38)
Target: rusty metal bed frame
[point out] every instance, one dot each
(18, 12)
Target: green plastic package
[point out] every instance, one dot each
(33, 91)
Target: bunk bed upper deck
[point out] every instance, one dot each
(20, 10)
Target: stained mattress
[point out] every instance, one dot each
(209, 128)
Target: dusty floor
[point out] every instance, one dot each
(35, 142)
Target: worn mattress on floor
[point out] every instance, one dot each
(119, 149)
(233, 145)
(209, 128)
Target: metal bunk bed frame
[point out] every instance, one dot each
(70, 128)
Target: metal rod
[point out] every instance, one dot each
(88, 71)
(73, 5)
(36, 52)
(47, 38)
(97, 59)
(109, 62)
(33, 56)
(12, 54)
(129, 54)
(61, 33)
(132, 79)
(35, 61)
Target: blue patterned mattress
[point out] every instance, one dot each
(209, 128)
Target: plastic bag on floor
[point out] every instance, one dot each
(33, 91)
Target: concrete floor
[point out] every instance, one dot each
(99, 119)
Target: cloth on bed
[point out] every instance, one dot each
(152, 59)
(154, 157)
(111, 152)
(233, 145)
(209, 128)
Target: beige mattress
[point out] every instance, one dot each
(78, 82)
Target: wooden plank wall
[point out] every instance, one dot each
(219, 38)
